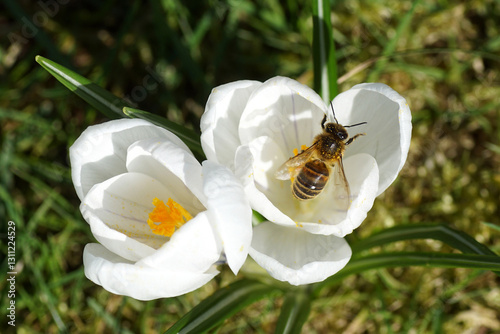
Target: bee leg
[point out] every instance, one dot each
(323, 122)
(352, 138)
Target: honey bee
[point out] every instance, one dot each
(311, 169)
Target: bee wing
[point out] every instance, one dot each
(341, 191)
(292, 166)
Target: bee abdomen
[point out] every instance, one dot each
(311, 180)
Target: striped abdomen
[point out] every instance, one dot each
(311, 180)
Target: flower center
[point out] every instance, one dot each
(165, 219)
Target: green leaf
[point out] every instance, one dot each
(189, 137)
(456, 239)
(325, 62)
(257, 218)
(114, 107)
(96, 96)
(407, 259)
(492, 226)
(294, 312)
(222, 305)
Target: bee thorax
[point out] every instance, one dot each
(329, 148)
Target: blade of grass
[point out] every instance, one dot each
(222, 305)
(325, 63)
(456, 239)
(96, 96)
(390, 47)
(45, 189)
(294, 312)
(110, 320)
(113, 106)
(45, 294)
(407, 259)
(492, 226)
(9, 208)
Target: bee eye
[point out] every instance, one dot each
(342, 135)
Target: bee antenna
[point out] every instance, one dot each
(350, 126)
(333, 111)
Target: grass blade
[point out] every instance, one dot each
(492, 226)
(222, 305)
(456, 239)
(390, 47)
(472, 249)
(96, 96)
(407, 259)
(325, 63)
(294, 312)
(114, 107)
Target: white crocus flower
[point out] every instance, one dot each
(254, 127)
(162, 220)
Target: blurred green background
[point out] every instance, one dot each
(165, 56)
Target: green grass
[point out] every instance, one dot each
(442, 56)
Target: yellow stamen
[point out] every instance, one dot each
(302, 147)
(164, 219)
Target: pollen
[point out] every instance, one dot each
(166, 219)
(302, 148)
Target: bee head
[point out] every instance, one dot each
(336, 130)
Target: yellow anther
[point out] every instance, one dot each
(302, 149)
(165, 219)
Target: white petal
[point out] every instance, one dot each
(388, 131)
(99, 153)
(323, 218)
(244, 163)
(122, 277)
(229, 211)
(173, 166)
(117, 211)
(298, 257)
(267, 158)
(286, 111)
(192, 248)
(219, 123)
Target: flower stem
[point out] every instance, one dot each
(325, 63)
